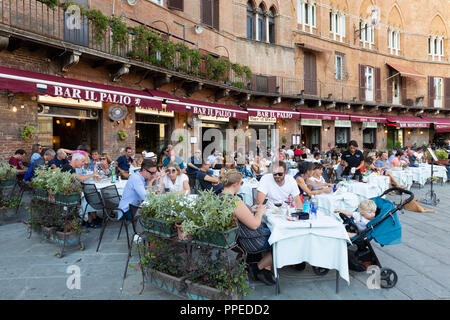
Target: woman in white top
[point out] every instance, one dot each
(316, 181)
(174, 181)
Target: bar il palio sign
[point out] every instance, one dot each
(213, 112)
(107, 96)
(277, 114)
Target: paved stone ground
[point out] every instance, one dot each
(29, 269)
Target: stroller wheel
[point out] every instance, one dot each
(388, 278)
(320, 271)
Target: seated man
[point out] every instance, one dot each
(136, 188)
(95, 156)
(123, 163)
(16, 162)
(207, 180)
(60, 160)
(78, 161)
(278, 187)
(49, 154)
(173, 158)
(412, 159)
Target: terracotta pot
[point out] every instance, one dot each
(443, 161)
(180, 233)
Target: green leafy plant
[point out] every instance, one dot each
(50, 3)
(100, 23)
(11, 203)
(122, 134)
(7, 172)
(119, 32)
(27, 133)
(180, 138)
(284, 139)
(41, 176)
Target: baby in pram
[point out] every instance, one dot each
(366, 212)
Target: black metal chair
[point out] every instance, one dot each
(23, 186)
(111, 200)
(135, 218)
(93, 198)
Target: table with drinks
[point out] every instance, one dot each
(318, 238)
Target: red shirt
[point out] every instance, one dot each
(298, 152)
(13, 161)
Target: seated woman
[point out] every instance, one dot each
(105, 166)
(231, 182)
(305, 170)
(257, 166)
(173, 180)
(316, 181)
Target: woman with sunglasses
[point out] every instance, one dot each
(104, 166)
(305, 171)
(173, 180)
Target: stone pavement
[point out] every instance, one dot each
(30, 270)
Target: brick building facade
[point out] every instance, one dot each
(306, 56)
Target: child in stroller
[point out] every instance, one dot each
(366, 212)
(384, 228)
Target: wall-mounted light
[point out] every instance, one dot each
(131, 121)
(421, 132)
(14, 109)
(385, 131)
(58, 122)
(68, 124)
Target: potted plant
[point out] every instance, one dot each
(211, 220)
(7, 175)
(39, 183)
(69, 233)
(27, 133)
(154, 215)
(122, 135)
(8, 207)
(442, 156)
(65, 187)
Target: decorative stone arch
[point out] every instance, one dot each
(252, 4)
(263, 6)
(365, 9)
(340, 5)
(437, 26)
(395, 17)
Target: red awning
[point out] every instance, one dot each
(366, 118)
(406, 71)
(409, 122)
(440, 124)
(29, 82)
(262, 112)
(205, 108)
(324, 115)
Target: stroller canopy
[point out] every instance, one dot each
(389, 231)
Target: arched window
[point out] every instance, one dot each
(250, 21)
(272, 25)
(260, 24)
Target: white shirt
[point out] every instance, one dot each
(322, 180)
(276, 194)
(178, 185)
(211, 159)
(418, 155)
(360, 221)
(290, 153)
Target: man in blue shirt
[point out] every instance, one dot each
(382, 163)
(136, 188)
(60, 160)
(123, 163)
(41, 161)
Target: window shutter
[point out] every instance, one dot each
(175, 4)
(447, 92)
(404, 94)
(215, 9)
(431, 92)
(362, 83)
(207, 12)
(389, 87)
(343, 26)
(377, 84)
(253, 83)
(272, 84)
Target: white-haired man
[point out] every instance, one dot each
(78, 161)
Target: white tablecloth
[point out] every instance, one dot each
(403, 177)
(246, 190)
(328, 202)
(375, 186)
(321, 242)
(421, 174)
(99, 185)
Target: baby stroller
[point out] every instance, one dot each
(385, 229)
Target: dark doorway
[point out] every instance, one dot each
(69, 133)
(311, 136)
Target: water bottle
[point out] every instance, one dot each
(334, 188)
(305, 206)
(113, 176)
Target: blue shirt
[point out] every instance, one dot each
(58, 163)
(34, 157)
(178, 161)
(123, 162)
(133, 192)
(193, 161)
(380, 163)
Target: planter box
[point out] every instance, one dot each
(185, 289)
(7, 183)
(219, 239)
(443, 161)
(197, 291)
(159, 227)
(58, 237)
(40, 193)
(68, 199)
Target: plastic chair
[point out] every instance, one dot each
(111, 200)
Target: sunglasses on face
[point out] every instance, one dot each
(152, 173)
(278, 174)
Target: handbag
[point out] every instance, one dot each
(251, 240)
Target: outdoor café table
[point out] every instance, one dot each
(246, 190)
(292, 172)
(403, 177)
(328, 202)
(120, 184)
(366, 190)
(322, 242)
